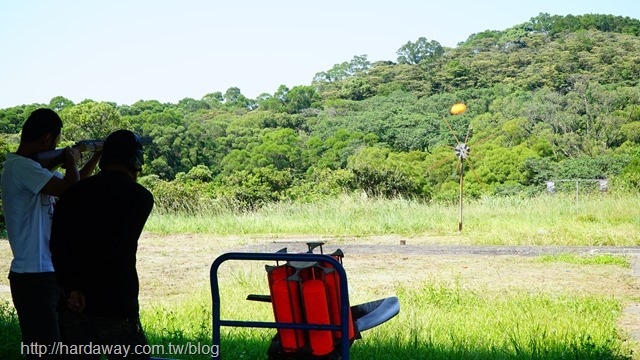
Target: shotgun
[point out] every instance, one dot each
(55, 158)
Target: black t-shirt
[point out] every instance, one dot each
(94, 240)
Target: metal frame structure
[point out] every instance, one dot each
(344, 298)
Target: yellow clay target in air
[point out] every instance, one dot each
(458, 109)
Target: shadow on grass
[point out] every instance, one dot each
(9, 332)
(255, 346)
(378, 350)
(256, 349)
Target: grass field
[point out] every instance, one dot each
(599, 219)
(453, 306)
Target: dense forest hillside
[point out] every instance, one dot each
(554, 98)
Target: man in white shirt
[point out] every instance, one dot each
(29, 191)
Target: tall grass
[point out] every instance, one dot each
(448, 322)
(597, 259)
(599, 219)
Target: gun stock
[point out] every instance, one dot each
(50, 159)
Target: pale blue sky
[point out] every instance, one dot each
(129, 50)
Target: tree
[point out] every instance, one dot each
(300, 98)
(279, 149)
(139, 107)
(189, 105)
(291, 101)
(359, 65)
(214, 100)
(233, 97)
(11, 119)
(419, 51)
(59, 103)
(89, 120)
(379, 172)
(275, 102)
(252, 189)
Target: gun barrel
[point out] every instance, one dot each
(89, 145)
(55, 158)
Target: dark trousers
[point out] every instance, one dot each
(116, 333)
(35, 297)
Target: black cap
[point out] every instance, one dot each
(122, 147)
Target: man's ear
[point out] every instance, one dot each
(45, 139)
(48, 141)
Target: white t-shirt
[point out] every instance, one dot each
(27, 213)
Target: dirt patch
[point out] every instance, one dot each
(172, 266)
(630, 320)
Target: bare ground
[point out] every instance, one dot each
(171, 267)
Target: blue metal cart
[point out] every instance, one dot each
(364, 316)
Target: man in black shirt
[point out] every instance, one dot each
(94, 250)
